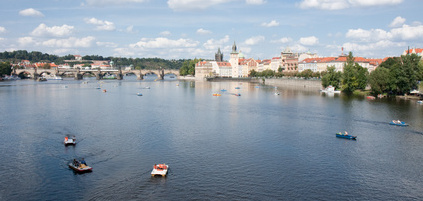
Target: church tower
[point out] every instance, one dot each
(234, 60)
(218, 56)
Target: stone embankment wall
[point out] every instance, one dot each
(294, 83)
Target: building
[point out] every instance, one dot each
(320, 64)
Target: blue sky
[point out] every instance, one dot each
(186, 29)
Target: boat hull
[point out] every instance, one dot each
(160, 171)
(80, 169)
(398, 124)
(351, 137)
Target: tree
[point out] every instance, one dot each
(380, 81)
(331, 77)
(354, 76)
(5, 68)
(307, 74)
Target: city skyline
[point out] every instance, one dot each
(186, 29)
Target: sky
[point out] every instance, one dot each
(188, 29)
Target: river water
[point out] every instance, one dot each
(257, 146)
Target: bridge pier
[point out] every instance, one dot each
(36, 76)
(119, 76)
(140, 76)
(98, 76)
(78, 76)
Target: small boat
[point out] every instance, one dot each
(223, 90)
(69, 141)
(346, 136)
(420, 102)
(104, 90)
(398, 123)
(160, 170)
(330, 89)
(41, 79)
(216, 94)
(139, 94)
(237, 94)
(237, 87)
(146, 87)
(371, 97)
(80, 166)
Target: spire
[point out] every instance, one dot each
(234, 48)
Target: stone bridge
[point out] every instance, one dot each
(78, 74)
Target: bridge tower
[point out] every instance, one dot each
(36, 75)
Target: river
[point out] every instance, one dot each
(257, 146)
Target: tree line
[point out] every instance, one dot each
(395, 76)
(137, 63)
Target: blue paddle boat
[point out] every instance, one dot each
(398, 123)
(346, 136)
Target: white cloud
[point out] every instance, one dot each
(24, 41)
(69, 42)
(165, 33)
(397, 22)
(181, 5)
(111, 2)
(374, 2)
(282, 40)
(368, 35)
(55, 31)
(407, 32)
(343, 4)
(254, 40)
(164, 43)
(130, 29)
(380, 45)
(309, 41)
(31, 12)
(203, 31)
(298, 48)
(255, 2)
(100, 24)
(2, 29)
(272, 23)
(107, 44)
(213, 44)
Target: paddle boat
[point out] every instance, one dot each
(398, 123)
(216, 94)
(237, 87)
(223, 90)
(237, 94)
(159, 169)
(139, 94)
(80, 166)
(69, 141)
(346, 136)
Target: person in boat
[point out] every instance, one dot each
(346, 133)
(83, 161)
(73, 138)
(75, 163)
(155, 166)
(66, 138)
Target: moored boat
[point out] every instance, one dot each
(346, 136)
(139, 94)
(159, 169)
(330, 89)
(216, 94)
(80, 166)
(398, 123)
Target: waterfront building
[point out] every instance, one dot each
(320, 64)
(417, 51)
(289, 61)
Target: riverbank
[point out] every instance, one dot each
(294, 83)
